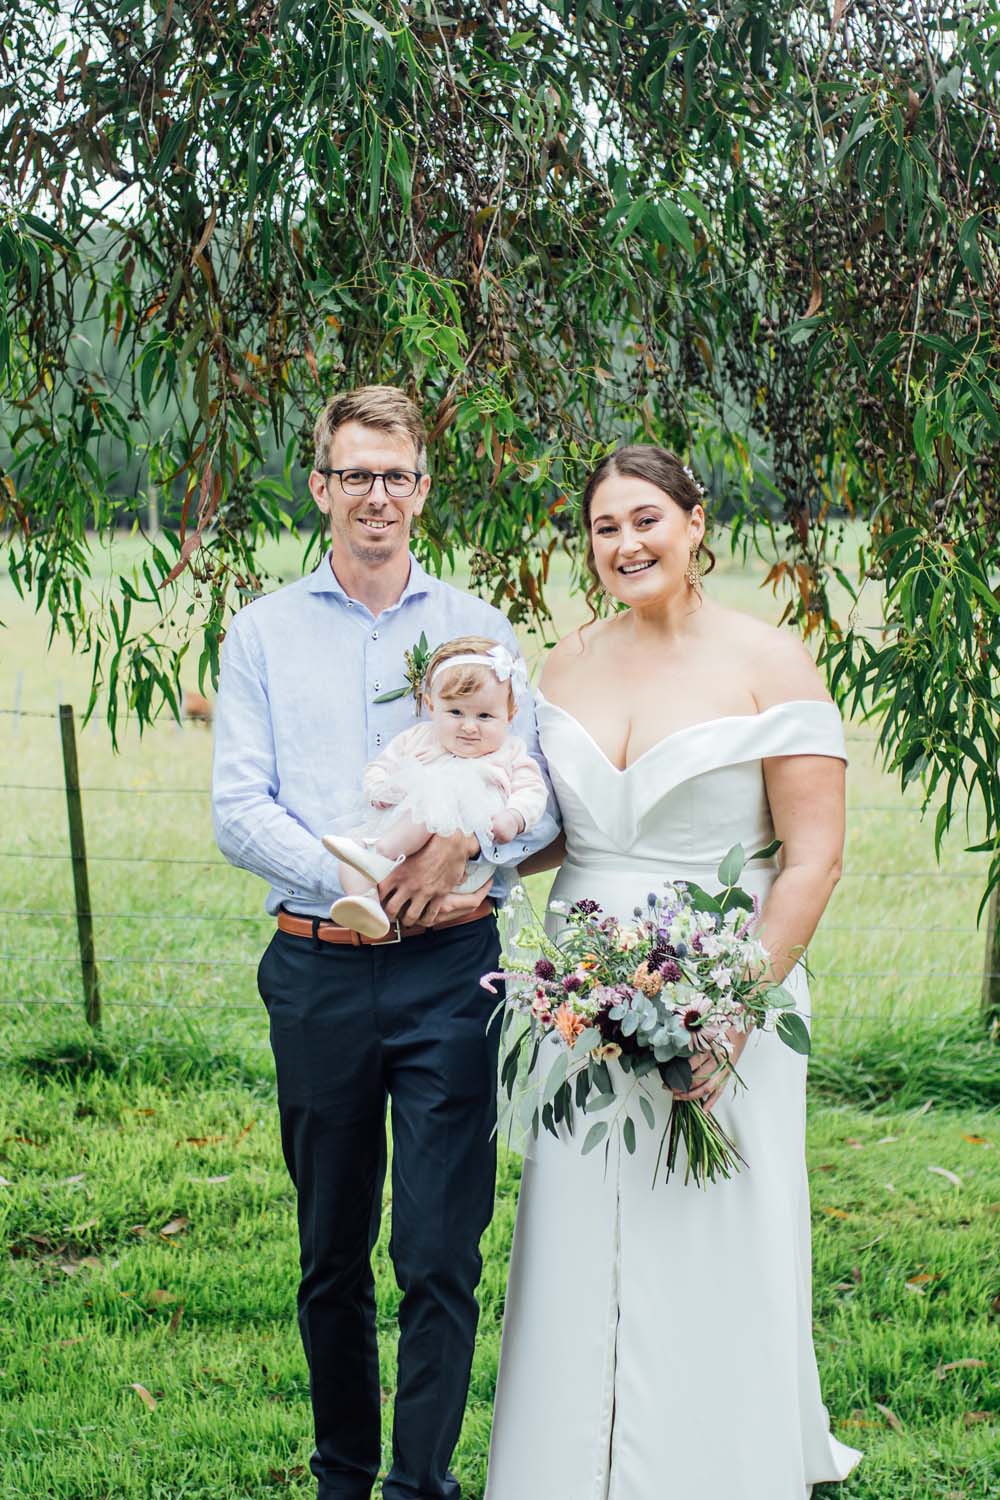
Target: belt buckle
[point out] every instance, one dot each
(388, 941)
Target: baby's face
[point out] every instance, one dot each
(474, 724)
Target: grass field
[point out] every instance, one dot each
(147, 1337)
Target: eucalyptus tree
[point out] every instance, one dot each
(763, 233)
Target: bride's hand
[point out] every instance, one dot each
(709, 1075)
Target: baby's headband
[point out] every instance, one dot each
(500, 661)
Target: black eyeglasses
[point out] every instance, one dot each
(399, 483)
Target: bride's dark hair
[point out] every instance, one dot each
(657, 466)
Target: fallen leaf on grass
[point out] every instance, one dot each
(836, 1213)
(176, 1226)
(886, 1140)
(959, 1364)
(856, 1419)
(24, 1140)
(852, 1141)
(144, 1396)
(971, 1417)
(922, 1277)
(4, 1182)
(69, 1181)
(175, 1319)
(952, 1177)
(68, 1343)
(79, 1228)
(212, 1181)
(286, 1476)
(159, 1294)
(244, 1132)
(976, 1140)
(139, 1229)
(200, 1140)
(890, 1417)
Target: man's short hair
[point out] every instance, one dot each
(383, 407)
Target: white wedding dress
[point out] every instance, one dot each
(657, 1342)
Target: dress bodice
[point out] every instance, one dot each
(689, 798)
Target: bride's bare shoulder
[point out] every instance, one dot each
(574, 654)
(778, 666)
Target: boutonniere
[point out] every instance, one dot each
(415, 663)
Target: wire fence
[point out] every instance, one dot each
(90, 961)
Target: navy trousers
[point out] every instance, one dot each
(351, 1028)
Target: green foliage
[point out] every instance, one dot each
(765, 235)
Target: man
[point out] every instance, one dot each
(355, 1021)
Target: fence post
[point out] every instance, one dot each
(81, 883)
(991, 971)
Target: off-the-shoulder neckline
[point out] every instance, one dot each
(687, 728)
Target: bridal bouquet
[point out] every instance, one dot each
(647, 994)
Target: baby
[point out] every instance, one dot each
(459, 770)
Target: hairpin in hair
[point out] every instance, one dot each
(697, 483)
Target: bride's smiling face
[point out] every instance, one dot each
(642, 539)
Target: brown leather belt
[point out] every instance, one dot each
(329, 932)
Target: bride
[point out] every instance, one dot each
(657, 1342)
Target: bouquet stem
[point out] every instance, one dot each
(711, 1153)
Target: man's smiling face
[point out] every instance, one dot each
(371, 529)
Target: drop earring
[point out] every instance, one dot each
(693, 573)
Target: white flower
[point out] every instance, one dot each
(561, 908)
(721, 976)
(517, 893)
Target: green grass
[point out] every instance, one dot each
(105, 1141)
(96, 1299)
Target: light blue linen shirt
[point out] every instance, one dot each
(296, 724)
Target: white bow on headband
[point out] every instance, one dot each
(503, 663)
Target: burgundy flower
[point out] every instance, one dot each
(671, 970)
(545, 969)
(571, 983)
(586, 907)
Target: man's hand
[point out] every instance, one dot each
(422, 888)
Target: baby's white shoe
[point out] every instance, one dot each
(362, 914)
(376, 866)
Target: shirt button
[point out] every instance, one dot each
(376, 686)
(374, 635)
(378, 739)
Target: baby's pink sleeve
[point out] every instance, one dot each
(380, 772)
(528, 793)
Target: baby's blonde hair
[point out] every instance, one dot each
(459, 682)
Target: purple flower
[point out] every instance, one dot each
(670, 970)
(681, 950)
(586, 907)
(652, 899)
(545, 969)
(571, 983)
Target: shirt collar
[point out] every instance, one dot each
(323, 580)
